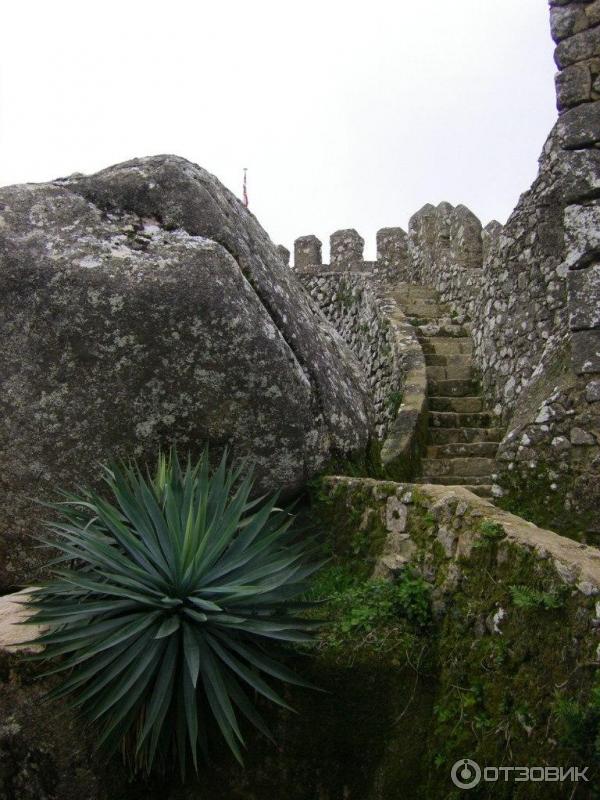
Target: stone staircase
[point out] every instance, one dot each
(463, 438)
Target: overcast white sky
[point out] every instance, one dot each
(347, 114)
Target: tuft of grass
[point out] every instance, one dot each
(359, 608)
(492, 531)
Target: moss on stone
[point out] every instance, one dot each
(536, 495)
(495, 666)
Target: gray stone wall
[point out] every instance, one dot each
(576, 30)
(520, 314)
(559, 443)
(349, 302)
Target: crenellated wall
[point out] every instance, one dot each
(530, 290)
(352, 307)
(356, 297)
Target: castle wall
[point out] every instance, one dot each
(351, 305)
(357, 297)
(530, 291)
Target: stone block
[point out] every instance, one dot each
(593, 12)
(582, 234)
(581, 438)
(568, 20)
(346, 249)
(592, 392)
(581, 169)
(465, 238)
(573, 86)
(578, 48)
(307, 252)
(580, 126)
(584, 298)
(392, 248)
(585, 353)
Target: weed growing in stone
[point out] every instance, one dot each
(359, 608)
(527, 597)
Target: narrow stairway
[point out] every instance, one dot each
(463, 440)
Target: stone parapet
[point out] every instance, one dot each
(307, 252)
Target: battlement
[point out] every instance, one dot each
(442, 229)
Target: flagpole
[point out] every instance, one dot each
(245, 194)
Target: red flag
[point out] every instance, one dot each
(245, 188)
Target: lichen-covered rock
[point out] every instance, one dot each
(14, 631)
(145, 305)
(44, 754)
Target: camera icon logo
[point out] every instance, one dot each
(465, 773)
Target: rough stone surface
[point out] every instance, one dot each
(392, 251)
(284, 254)
(584, 298)
(145, 305)
(583, 169)
(307, 252)
(346, 249)
(573, 86)
(13, 630)
(568, 20)
(592, 392)
(349, 303)
(581, 46)
(580, 126)
(582, 234)
(586, 351)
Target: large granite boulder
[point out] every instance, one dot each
(146, 305)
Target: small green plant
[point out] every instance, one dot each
(414, 599)
(527, 597)
(492, 531)
(579, 724)
(393, 402)
(179, 588)
(360, 607)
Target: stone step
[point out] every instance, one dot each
(424, 308)
(452, 388)
(454, 372)
(420, 321)
(481, 489)
(450, 419)
(403, 291)
(437, 329)
(465, 467)
(463, 450)
(440, 320)
(445, 346)
(450, 435)
(462, 405)
(458, 359)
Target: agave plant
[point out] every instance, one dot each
(166, 603)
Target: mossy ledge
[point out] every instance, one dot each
(513, 650)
